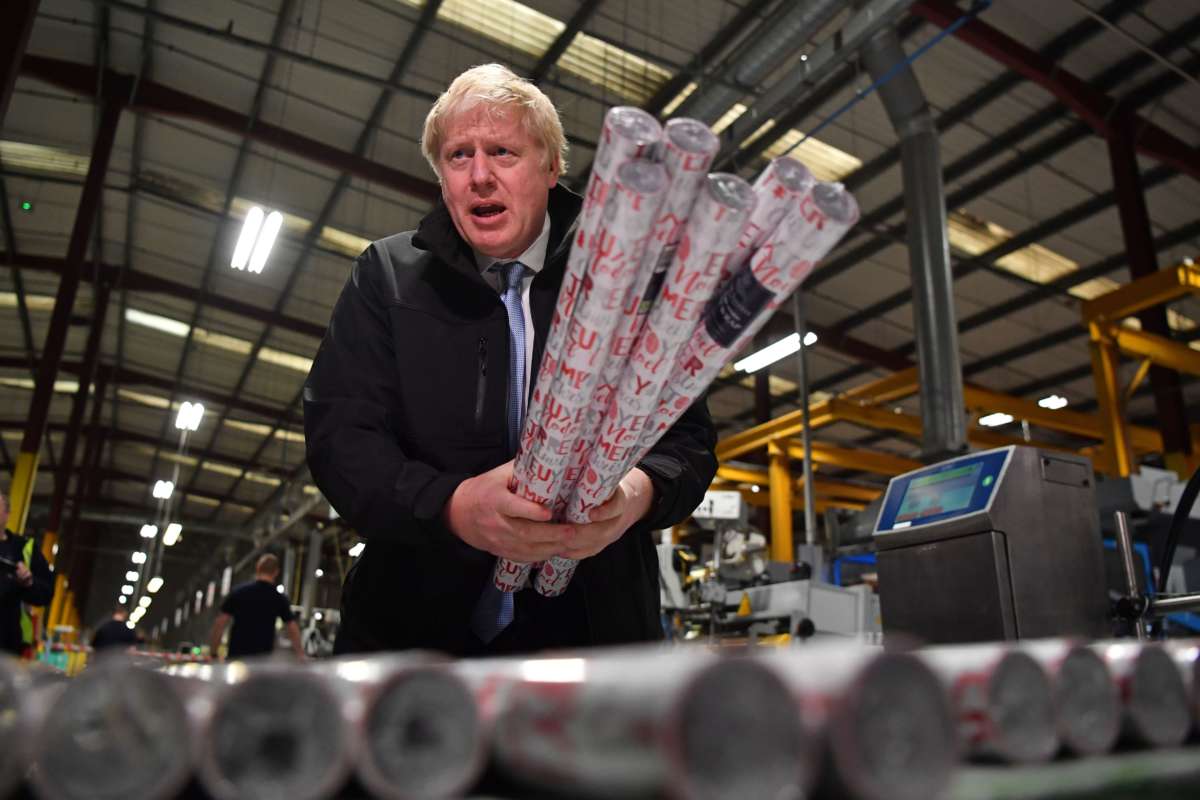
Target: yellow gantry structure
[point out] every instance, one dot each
(868, 406)
(1109, 337)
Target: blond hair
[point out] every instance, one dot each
(267, 565)
(497, 88)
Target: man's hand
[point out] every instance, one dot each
(629, 503)
(485, 514)
(24, 576)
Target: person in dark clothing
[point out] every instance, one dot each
(407, 407)
(25, 580)
(253, 607)
(115, 633)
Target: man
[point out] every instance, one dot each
(24, 581)
(115, 633)
(253, 607)
(408, 415)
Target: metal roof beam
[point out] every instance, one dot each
(14, 36)
(146, 96)
(1092, 105)
(559, 46)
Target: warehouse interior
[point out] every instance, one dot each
(1021, 276)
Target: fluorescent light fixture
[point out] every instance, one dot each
(145, 601)
(995, 420)
(149, 531)
(245, 242)
(773, 352)
(163, 489)
(154, 584)
(157, 322)
(172, 534)
(127, 589)
(266, 240)
(356, 551)
(1053, 402)
(131, 575)
(130, 623)
(189, 416)
(138, 557)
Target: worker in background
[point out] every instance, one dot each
(115, 633)
(424, 374)
(253, 607)
(25, 581)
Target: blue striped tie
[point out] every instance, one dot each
(494, 610)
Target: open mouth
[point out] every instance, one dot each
(487, 210)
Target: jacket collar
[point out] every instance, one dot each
(437, 234)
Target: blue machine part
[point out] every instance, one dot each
(1142, 552)
(955, 488)
(835, 566)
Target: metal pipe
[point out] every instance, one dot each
(645, 722)
(776, 39)
(116, 730)
(1155, 710)
(1002, 698)
(810, 508)
(1161, 606)
(1125, 548)
(1186, 654)
(943, 420)
(884, 722)
(1087, 706)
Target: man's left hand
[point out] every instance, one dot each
(24, 576)
(629, 503)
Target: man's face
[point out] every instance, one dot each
(496, 180)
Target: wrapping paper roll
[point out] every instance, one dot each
(783, 184)
(424, 737)
(710, 239)
(272, 729)
(1002, 699)
(680, 722)
(114, 730)
(570, 375)
(1153, 695)
(1186, 654)
(883, 721)
(1087, 706)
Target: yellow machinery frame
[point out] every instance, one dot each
(1109, 338)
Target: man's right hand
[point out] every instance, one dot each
(485, 514)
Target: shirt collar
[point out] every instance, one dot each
(534, 257)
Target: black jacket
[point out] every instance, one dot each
(406, 399)
(13, 594)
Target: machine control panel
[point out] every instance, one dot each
(956, 488)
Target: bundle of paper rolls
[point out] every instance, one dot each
(672, 271)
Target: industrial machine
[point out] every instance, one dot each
(1003, 544)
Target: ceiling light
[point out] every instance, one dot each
(1053, 402)
(279, 588)
(356, 551)
(189, 416)
(131, 575)
(318, 616)
(172, 534)
(319, 573)
(245, 242)
(157, 322)
(127, 589)
(163, 489)
(266, 240)
(130, 623)
(773, 352)
(145, 601)
(994, 420)
(139, 557)
(122, 599)
(149, 531)
(154, 584)
(756, 488)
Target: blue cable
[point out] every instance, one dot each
(975, 10)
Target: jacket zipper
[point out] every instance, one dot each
(481, 382)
